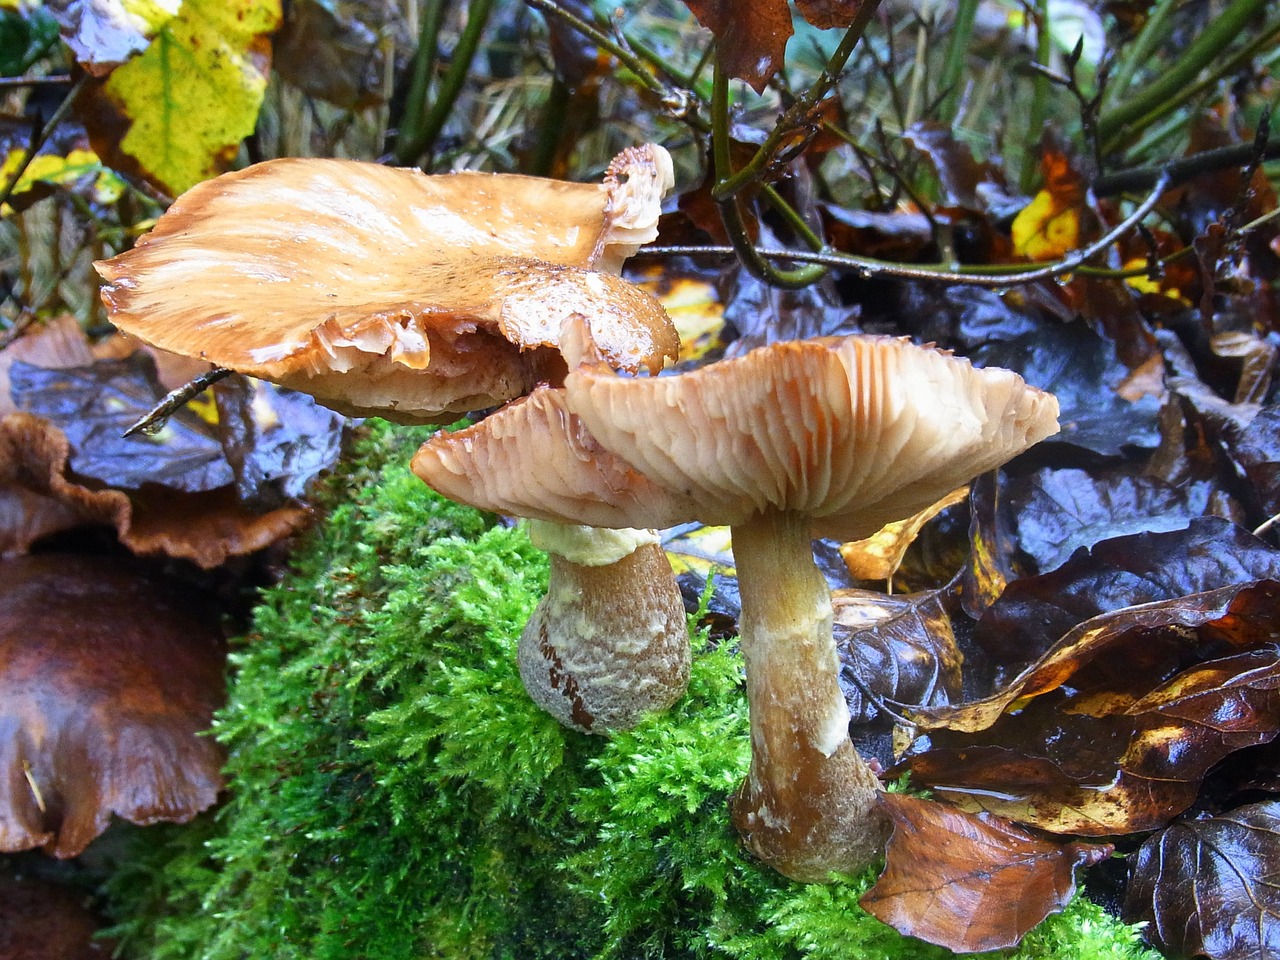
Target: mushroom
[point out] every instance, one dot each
(833, 437)
(108, 677)
(418, 298)
(384, 291)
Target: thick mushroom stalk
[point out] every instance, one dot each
(807, 806)
(608, 644)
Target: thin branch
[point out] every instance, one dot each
(1185, 168)
(54, 80)
(870, 267)
(176, 399)
(680, 103)
(798, 112)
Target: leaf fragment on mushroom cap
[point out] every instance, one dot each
(303, 270)
(854, 431)
(533, 459)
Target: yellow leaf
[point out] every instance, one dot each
(188, 101)
(1046, 229)
(879, 556)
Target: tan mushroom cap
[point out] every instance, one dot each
(855, 432)
(533, 459)
(351, 280)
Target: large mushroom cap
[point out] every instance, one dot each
(379, 289)
(107, 679)
(855, 432)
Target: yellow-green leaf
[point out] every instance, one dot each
(79, 168)
(176, 114)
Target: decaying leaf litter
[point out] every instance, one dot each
(1079, 657)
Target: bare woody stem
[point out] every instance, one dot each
(807, 805)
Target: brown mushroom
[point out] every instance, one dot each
(107, 679)
(836, 437)
(384, 291)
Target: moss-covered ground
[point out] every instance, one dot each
(393, 794)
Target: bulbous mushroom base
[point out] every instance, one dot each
(608, 644)
(821, 822)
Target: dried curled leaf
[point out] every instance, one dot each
(970, 883)
(1208, 887)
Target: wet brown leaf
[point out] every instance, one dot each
(970, 883)
(39, 498)
(1035, 612)
(108, 677)
(751, 37)
(1061, 511)
(826, 14)
(896, 649)
(39, 921)
(1113, 731)
(1212, 887)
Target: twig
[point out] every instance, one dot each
(177, 398)
(869, 267)
(54, 80)
(799, 111)
(1184, 169)
(730, 206)
(679, 103)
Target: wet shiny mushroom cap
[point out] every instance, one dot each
(384, 290)
(853, 432)
(108, 678)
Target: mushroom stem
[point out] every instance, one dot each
(807, 807)
(609, 642)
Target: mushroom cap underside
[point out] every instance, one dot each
(296, 269)
(855, 432)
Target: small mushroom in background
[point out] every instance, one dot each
(386, 292)
(832, 437)
(108, 678)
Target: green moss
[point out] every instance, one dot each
(395, 795)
